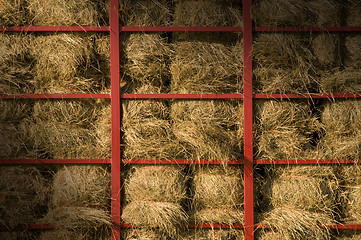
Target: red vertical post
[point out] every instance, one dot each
(248, 121)
(115, 118)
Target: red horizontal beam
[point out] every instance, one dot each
(306, 161)
(54, 96)
(179, 29)
(55, 161)
(181, 96)
(27, 227)
(181, 161)
(336, 226)
(308, 29)
(55, 29)
(306, 95)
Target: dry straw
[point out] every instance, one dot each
(63, 13)
(342, 127)
(206, 67)
(15, 235)
(297, 13)
(341, 81)
(61, 234)
(154, 195)
(284, 130)
(352, 41)
(213, 234)
(218, 195)
(16, 68)
(147, 129)
(326, 48)
(64, 128)
(209, 129)
(147, 57)
(143, 234)
(64, 63)
(23, 195)
(285, 64)
(12, 12)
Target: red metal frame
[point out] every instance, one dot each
(116, 97)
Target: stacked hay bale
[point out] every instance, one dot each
(342, 137)
(302, 200)
(292, 63)
(284, 130)
(23, 195)
(16, 68)
(154, 195)
(213, 234)
(79, 202)
(146, 56)
(218, 194)
(15, 235)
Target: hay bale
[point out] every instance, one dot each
(284, 130)
(297, 13)
(61, 12)
(81, 186)
(349, 235)
(147, 129)
(145, 13)
(64, 128)
(23, 195)
(298, 224)
(342, 127)
(147, 57)
(285, 64)
(156, 202)
(12, 13)
(102, 50)
(213, 234)
(207, 14)
(16, 68)
(353, 13)
(341, 81)
(103, 131)
(218, 195)
(15, 235)
(65, 63)
(206, 67)
(209, 129)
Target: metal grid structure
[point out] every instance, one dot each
(248, 97)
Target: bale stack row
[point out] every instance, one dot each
(59, 13)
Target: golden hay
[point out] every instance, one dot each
(12, 13)
(326, 48)
(156, 202)
(353, 13)
(311, 188)
(164, 216)
(163, 184)
(208, 129)
(297, 13)
(102, 50)
(353, 51)
(341, 81)
(285, 64)
(23, 195)
(64, 128)
(213, 234)
(64, 63)
(103, 131)
(207, 14)
(349, 235)
(16, 68)
(73, 218)
(342, 127)
(143, 234)
(284, 130)
(63, 12)
(82, 186)
(206, 67)
(147, 57)
(147, 129)
(145, 13)
(298, 224)
(218, 194)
